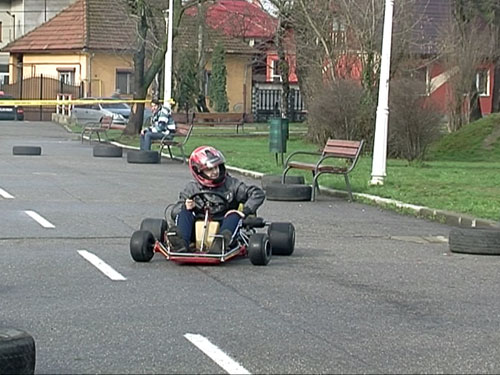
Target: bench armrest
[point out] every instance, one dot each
(288, 159)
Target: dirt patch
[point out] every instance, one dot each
(492, 138)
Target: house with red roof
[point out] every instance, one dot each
(248, 21)
(88, 51)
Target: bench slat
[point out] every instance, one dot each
(341, 152)
(219, 119)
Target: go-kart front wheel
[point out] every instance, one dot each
(282, 238)
(259, 249)
(142, 244)
(157, 227)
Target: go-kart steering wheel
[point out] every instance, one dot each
(204, 196)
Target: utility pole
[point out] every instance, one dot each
(381, 124)
(168, 54)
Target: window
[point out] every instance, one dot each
(338, 33)
(483, 82)
(124, 81)
(66, 76)
(275, 71)
(4, 78)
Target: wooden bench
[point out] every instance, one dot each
(347, 151)
(220, 119)
(184, 128)
(101, 127)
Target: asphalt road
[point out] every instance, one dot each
(366, 290)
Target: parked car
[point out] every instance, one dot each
(9, 112)
(93, 112)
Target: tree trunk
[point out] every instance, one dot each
(134, 124)
(496, 88)
(284, 68)
(202, 59)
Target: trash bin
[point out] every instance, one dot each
(278, 134)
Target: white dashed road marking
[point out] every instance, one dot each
(5, 195)
(102, 266)
(217, 355)
(40, 220)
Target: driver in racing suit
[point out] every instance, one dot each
(207, 167)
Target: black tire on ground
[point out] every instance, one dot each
(282, 238)
(17, 352)
(157, 227)
(141, 246)
(288, 192)
(276, 179)
(107, 151)
(143, 157)
(259, 249)
(26, 150)
(475, 241)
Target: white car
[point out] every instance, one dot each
(93, 112)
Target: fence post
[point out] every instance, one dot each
(41, 96)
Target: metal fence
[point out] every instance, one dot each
(266, 104)
(40, 88)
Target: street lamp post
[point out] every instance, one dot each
(168, 54)
(380, 142)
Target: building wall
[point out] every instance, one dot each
(440, 88)
(24, 16)
(239, 82)
(102, 69)
(97, 72)
(37, 12)
(48, 64)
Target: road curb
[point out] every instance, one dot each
(442, 216)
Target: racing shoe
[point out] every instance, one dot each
(177, 243)
(221, 242)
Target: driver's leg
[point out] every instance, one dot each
(179, 234)
(228, 231)
(230, 223)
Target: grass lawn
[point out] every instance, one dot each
(462, 174)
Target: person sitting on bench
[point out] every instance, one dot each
(162, 124)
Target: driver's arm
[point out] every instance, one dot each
(184, 195)
(251, 196)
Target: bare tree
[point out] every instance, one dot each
(465, 46)
(341, 39)
(149, 48)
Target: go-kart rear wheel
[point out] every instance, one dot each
(157, 227)
(142, 244)
(259, 249)
(282, 238)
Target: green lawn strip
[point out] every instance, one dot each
(471, 187)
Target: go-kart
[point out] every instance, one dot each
(258, 246)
